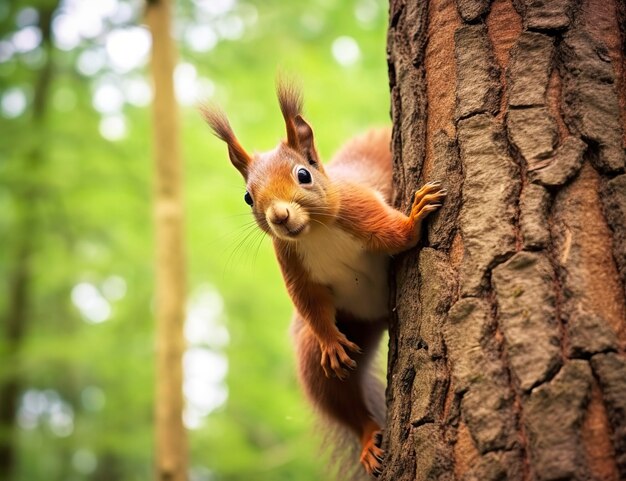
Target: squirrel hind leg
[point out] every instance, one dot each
(354, 403)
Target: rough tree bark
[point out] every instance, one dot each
(171, 440)
(507, 350)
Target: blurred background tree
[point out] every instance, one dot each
(76, 235)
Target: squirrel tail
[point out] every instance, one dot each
(353, 410)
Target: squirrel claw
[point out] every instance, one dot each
(335, 360)
(426, 200)
(372, 455)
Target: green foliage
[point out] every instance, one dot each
(84, 204)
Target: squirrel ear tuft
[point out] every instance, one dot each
(218, 122)
(290, 101)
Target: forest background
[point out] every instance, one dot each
(76, 229)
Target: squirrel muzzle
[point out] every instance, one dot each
(287, 220)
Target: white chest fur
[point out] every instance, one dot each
(356, 277)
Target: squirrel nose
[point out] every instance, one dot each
(279, 214)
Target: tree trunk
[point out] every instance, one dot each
(171, 442)
(27, 200)
(507, 347)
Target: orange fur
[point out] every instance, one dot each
(332, 235)
(290, 101)
(371, 149)
(380, 225)
(220, 125)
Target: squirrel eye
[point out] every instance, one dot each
(304, 176)
(248, 199)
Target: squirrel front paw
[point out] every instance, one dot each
(335, 360)
(427, 199)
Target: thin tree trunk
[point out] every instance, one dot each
(507, 351)
(171, 442)
(26, 231)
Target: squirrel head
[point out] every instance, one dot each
(287, 187)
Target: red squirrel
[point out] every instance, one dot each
(333, 232)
